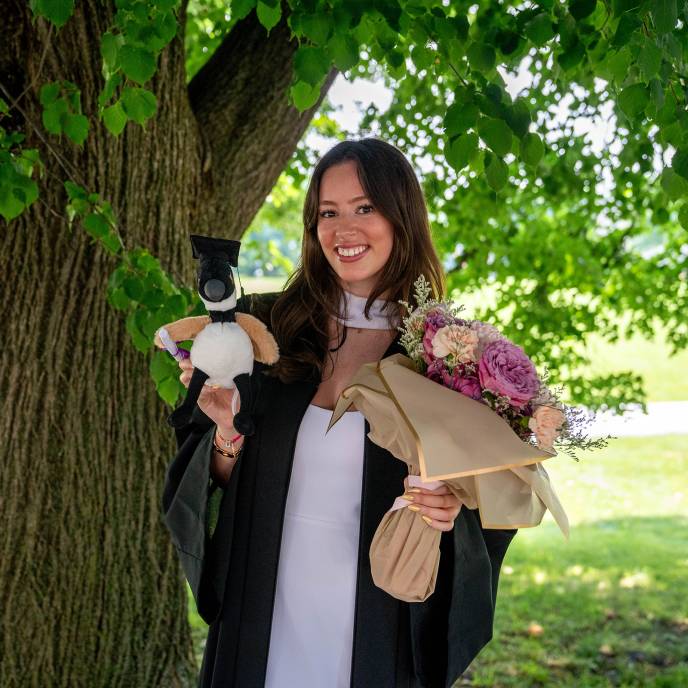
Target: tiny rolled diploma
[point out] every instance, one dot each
(171, 346)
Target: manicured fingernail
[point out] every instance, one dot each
(414, 489)
(413, 507)
(409, 497)
(427, 519)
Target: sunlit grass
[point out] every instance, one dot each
(606, 608)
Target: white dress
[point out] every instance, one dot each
(311, 639)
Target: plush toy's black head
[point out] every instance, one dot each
(217, 257)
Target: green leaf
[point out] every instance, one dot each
(118, 299)
(628, 24)
(532, 149)
(96, 225)
(679, 163)
(496, 134)
(461, 150)
(580, 9)
(133, 287)
(49, 93)
(304, 95)
(343, 50)
(683, 216)
(664, 15)
(268, 16)
(311, 64)
(507, 41)
(421, 56)
(76, 128)
(241, 8)
(460, 117)
(57, 11)
(481, 57)
(75, 191)
(139, 340)
(316, 26)
(139, 104)
(109, 47)
(496, 171)
(617, 64)
(649, 60)
(169, 390)
(674, 186)
(136, 63)
(111, 83)
(10, 205)
(517, 116)
(112, 243)
(115, 118)
(53, 115)
(572, 56)
(633, 99)
(160, 367)
(539, 29)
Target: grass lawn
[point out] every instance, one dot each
(607, 608)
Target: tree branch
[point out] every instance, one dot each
(249, 130)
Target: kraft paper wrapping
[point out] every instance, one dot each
(443, 435)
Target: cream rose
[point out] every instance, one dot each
(546, 422)
(455, 339)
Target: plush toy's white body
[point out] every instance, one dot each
(222, 350)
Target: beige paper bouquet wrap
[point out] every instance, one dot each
(443, 435)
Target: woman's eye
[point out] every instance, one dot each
(370, 207)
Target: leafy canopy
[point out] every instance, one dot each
(565, 230)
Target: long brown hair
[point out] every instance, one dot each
(312, 293)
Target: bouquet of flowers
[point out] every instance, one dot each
(473, 358)
(468, 408)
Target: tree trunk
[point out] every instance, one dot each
(92, 593)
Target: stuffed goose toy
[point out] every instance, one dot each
(225, 342)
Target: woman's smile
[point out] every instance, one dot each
(353, 253)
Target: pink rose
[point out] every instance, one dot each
(505, 369)
(434, 320)
(547, 423)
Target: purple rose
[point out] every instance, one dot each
(470, 386)
(505, 369)
(436, 371)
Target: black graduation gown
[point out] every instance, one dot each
(233, 573)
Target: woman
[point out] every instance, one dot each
(284, 578)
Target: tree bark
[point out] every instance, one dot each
(92, 591)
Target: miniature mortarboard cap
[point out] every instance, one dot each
(210, 247)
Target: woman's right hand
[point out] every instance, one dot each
(216, 403)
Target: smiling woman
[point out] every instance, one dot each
(284, 578)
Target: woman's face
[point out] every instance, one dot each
(355, 238)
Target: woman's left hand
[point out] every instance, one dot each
(440, 506)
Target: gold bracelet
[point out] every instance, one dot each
(226, 453)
